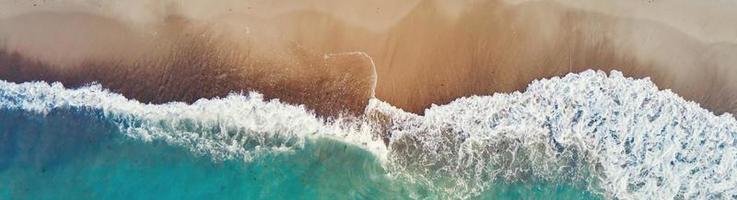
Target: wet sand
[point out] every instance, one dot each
(425, 52)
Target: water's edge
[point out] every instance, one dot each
(587, 135)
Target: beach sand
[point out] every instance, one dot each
(424, 52)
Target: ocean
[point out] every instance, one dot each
(590, 135)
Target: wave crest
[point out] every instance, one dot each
(237, 126)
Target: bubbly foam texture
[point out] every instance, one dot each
(609, 132)
(620, 137)
(237, 126)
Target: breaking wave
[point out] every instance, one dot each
(237, 126)
(615, 133)
(615, 136)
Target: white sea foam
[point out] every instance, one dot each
(623, 135)
(237, 126)
(618, 134)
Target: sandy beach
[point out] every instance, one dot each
(424, 52)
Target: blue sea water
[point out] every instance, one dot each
(583, 136)
(79, 154)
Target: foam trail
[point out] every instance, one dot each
(372, 68)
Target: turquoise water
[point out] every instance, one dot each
(80, 154)
(583, 136)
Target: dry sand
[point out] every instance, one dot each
(425, 52)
